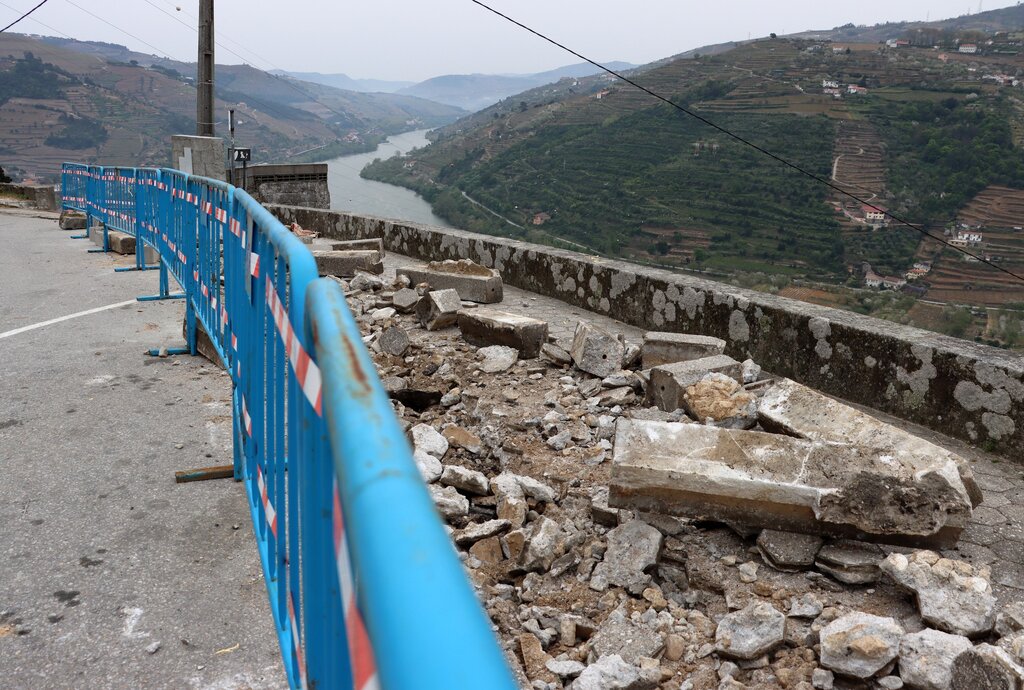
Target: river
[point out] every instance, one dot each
(353, 194)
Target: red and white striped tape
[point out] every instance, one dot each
(306, 370)
(296, 643)
(254, 265)
(364, 667)
(268, 507)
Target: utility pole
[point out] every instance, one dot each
(204, 73)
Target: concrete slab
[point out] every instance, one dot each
(120, 243)
(784, 483)
(792, 408)
(484, 327)
(345, 263)
(103, 555)
(669, 382)
(666, 348)
(473, 282)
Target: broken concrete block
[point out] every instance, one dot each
(121, 243)
(438, 309)
(721, 400)
(373, 244)
(366, 281)
(951, 595)
(483, 327)
(473, 282)
(784, 483)
(405, 301)
(788, 551)
(752, 632)
(465, 479)
(450, 503)
(344, 264)
(71, 220)
(668, 348)
(595, 351)
(669, 383)
(394, 341)
(632, 551)
(497, 358)
(860, 644)
(986, 667)
(926, 658)
(853, 563)
(790, 408)
(555, 354)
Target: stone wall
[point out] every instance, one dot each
(43, 197)
(292, 185)
(957, 387)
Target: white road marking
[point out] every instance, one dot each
(87, 312)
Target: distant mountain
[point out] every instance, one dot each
(477, 91)
(343, 81)
(102, 103)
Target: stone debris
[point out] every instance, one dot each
(751, 633)
(438, 309)
(366, 282)
(472, 282)
(788, 551)
(951, 595)
(849, 562)
(782, 483)
(583, 594)
(667, 348)
(450, 503)
(860, 645)
(595, 351)
(429, 466)
(405, 301)
(791, 408)
(372, 243)
(345, 263)
(394, 341)
(497, 358)
(720, 400)
(986, 667)
(465, 480)
(426, 438)
(926, 658)
(492, 327)
(669, 383)
(71, 220)
(613, 673)
(555, 354)
(632, 551)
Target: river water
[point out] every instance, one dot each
(353, 194)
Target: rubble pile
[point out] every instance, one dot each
(659, 515)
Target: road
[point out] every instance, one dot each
(103, 558)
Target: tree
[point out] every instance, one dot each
(4, 177)
(773, 35)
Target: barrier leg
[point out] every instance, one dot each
(236, 427)
(84, 235)
(164, 287)
(106, 242)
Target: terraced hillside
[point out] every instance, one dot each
(129, 107)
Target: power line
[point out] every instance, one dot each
(23, 16)
(126, 33)
(744, 141)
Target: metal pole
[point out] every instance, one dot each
(204, 74)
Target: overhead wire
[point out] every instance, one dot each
(23, 16)
(745, 141)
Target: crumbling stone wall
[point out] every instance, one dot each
(957, 387)
(44, 197)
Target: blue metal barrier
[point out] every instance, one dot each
(365, 587)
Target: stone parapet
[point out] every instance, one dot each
(962, 389)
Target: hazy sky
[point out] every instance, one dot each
(414, 40)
